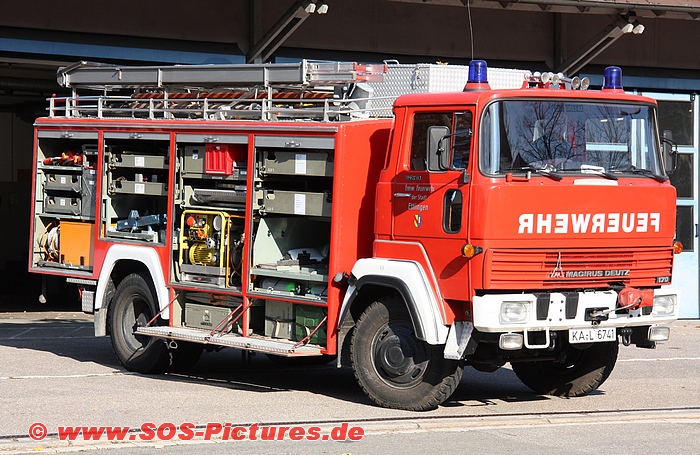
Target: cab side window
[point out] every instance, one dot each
(462, 139)
(460, 127)
(419, 143)
(452, 216)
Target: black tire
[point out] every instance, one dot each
(394, 368)
(185, 356)
(581, 372)
(134, 305)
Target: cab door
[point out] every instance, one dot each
(431, 195)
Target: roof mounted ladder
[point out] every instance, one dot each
(307, 73)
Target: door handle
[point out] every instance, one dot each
(397, 195)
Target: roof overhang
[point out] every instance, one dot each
(672, 9)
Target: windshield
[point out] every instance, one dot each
(568, 136)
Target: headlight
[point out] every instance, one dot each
(664, 304)
(659, 333)
(514, 312)
(510, 341)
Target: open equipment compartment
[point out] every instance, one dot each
(64, 199)
(135, 186)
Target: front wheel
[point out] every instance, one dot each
(394, 368)
(580, 372)
(134, 305)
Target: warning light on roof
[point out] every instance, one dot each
(612, 78)
(477, 79)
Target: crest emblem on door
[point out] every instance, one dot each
(416, 220)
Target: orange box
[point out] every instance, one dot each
(75, 243)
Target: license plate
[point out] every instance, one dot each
(592, 335)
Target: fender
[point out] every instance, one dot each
(409, 279)
(146, 256)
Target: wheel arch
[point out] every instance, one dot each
(120, 261)
(375, 278)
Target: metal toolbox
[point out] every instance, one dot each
(279, 319)
(207, 317)
(128, 160)
(62, 204)
(316, 163)
(146, 188)
(61, 181)
(294, 202)
(193, 159)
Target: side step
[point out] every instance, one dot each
(285, 348)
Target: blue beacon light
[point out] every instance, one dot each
(612, 78)
(477, 78)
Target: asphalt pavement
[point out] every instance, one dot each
(53, 371)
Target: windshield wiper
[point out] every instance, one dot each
(547, 171)
(644, 172)
(597, 170)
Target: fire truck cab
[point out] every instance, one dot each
(293, 210)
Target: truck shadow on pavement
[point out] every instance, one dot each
(231, 368)
(68, 340)
(476, 389)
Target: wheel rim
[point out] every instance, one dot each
(137, 314)
(400, 360)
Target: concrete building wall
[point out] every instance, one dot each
(385, 29)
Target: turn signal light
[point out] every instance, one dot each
(677, 247)
(469, 250)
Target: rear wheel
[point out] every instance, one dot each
(394, 368)
(134, 305)
(581, 371)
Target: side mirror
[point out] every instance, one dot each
(438, 148)
(670, 151)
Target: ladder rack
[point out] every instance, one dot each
(219, 108)
(307, 90)
(306, 73)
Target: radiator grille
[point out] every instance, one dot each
(537, 269)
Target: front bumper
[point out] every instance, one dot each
(505, 313)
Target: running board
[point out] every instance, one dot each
(285, 348)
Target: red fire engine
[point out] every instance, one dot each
(303, 210)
